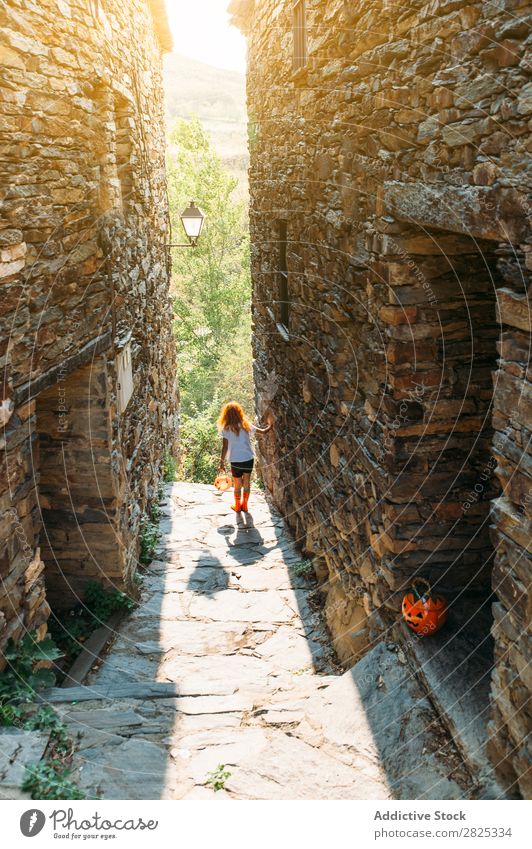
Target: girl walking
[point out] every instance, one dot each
(235, 429)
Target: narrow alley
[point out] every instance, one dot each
(222, 684)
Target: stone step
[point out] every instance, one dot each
(186, 702)
(18, 749)
(110, 692)
(454, 667)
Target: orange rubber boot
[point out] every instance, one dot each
(245, 500)
(236, 506)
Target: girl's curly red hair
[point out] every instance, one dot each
(232, 417)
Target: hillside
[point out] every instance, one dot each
(217, 97)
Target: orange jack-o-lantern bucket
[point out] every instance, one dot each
(223, 482)
(423, 612)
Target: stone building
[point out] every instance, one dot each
(87, 355)
(391, 266)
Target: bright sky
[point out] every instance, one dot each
(200, 29)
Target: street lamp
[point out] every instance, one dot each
(192, 219)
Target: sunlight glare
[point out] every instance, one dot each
(201, 31)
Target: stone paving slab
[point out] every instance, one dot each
(379, 703)
(196, 638)
(290, 768)
(109, 692)
(233, 606)
(225, 662)
(131, 769)
(18, 749)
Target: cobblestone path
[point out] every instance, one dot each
(226, 663)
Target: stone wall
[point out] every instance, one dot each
(397, 156)
(512, 535)
(79, 496)
(84, 272)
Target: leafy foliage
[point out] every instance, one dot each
(102, 602)
(212, 295)
(169, 467)
(303, 569)
(24, 676)
(45, 719)
(71, 631)
(149, 536)
(201, 444)
(217, 778)
(50, 780)
(19, 682)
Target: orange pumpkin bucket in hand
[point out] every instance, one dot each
(423, 612)
(223, 482)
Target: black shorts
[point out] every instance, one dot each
(242, 467)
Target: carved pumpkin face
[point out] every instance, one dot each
(423, 612)
(223, 483)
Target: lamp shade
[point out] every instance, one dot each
(192, 218)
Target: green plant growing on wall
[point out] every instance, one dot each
(149, 536)
(169, 467)
(303, 569)
(138, 580)
(154, 510)
(102, 602)
(24, 676)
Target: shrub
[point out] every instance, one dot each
(149, 536)
(50, 780)
(24, 676)
(169, 467)
(72, 629)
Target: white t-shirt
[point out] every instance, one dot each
(239, 445)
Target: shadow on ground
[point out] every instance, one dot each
(225, 662)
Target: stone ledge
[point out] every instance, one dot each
(32, 388)
(514, 309)
(485, 212)
(455, 668)
(98, 692)
(92, 651)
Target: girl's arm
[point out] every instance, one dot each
(263, 429)
(224, 454)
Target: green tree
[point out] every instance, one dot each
(212, 295)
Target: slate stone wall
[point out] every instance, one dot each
(511, 516)
(83, 272)
(397, 156)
